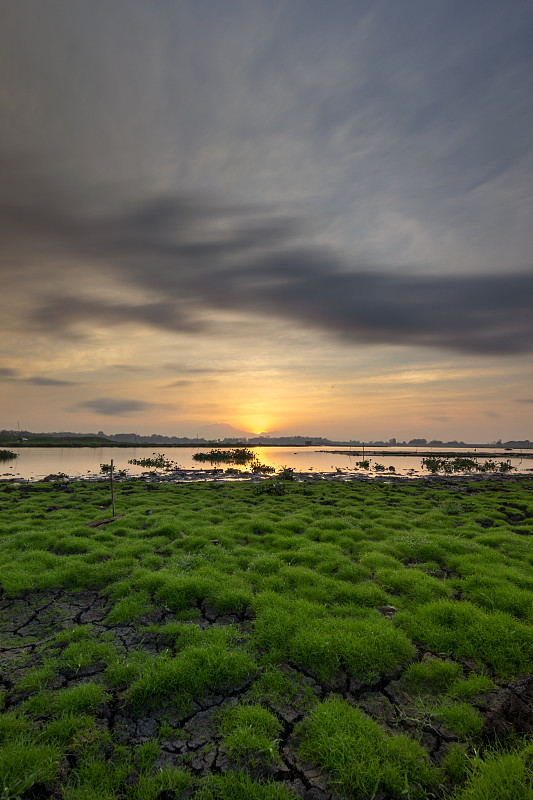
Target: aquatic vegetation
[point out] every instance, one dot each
(446, 464)
(7, 455)
(237, 455)
(159, 461)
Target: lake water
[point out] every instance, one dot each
(35, 463)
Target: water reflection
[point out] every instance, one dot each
(37, 462)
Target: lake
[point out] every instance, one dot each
(35, 463)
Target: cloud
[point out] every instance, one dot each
(36, 380)
(67, 312)
(115, 407)
(127, 367)
(191, 369)
(39, 380)
(193, 257)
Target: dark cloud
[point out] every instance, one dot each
(36, 380)
(39, 380)
(191, 369)
(127, 367)
(116, 407)
(68, 311)
(192, 257)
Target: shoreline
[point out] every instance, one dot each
(219, 476)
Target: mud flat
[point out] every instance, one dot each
(323, 638)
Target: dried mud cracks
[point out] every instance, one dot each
(30, 622)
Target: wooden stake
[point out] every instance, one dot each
(112, 488)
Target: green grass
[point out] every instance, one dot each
(460, 717)
(261, 605)
(494, 640)
(23, 763)
(497, 776)
(195, 671)
(251, 732)
(239, 786)
(359, 756)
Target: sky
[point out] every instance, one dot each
(283, 216)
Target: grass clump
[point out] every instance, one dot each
(195, 671)
(24, 763)
(307, 634)
(494, 640)
(433, 674)
(239, 786)
(250, 732)
(465, 688)
(497, 776)
(80, 697)
(460, 717)
(359, 756)
(131, 607)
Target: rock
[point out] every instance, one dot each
(387, 611)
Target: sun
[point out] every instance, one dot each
(258, 425)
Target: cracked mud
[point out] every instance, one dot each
(29, 626)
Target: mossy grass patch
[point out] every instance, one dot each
(121, 646)
(360, 757)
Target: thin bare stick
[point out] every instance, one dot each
(112, 488)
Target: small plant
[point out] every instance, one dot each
(286, 473)
(256, 467)
(270, 487)
(462, 718)
(433, 674)
(7, 455)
